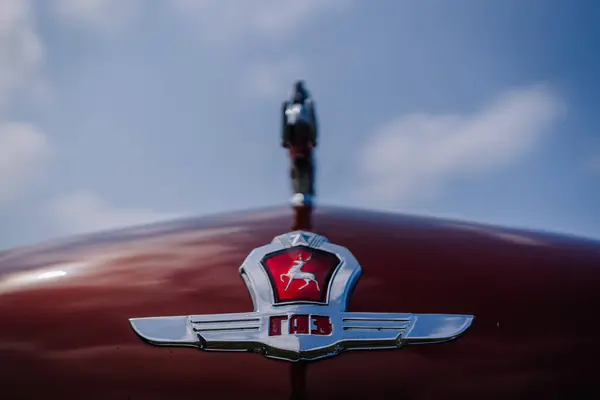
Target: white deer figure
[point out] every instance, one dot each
(295, 272)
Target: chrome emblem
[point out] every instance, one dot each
(300, 286)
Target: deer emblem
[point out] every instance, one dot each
(295, 272)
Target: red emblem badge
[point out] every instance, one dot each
(300, 274)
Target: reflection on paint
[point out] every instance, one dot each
(39, 276)
(52, 274)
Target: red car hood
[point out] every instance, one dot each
(65, 307)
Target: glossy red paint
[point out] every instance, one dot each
(64, 310)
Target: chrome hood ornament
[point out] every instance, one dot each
(300, 286)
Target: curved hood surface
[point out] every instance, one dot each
(65, 310)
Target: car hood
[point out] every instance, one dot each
(65, 309)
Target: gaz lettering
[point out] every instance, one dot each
(300, 324)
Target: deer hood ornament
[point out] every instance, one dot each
(295, 272)
(300, 286)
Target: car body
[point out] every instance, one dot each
(65, 308)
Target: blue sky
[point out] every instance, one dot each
(120, 112)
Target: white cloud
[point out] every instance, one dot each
(23, 148)
(103, 16)
(23, 153)
(417, 155)
(224, 20)
(274, 79)
(21, 51)
(83, 212)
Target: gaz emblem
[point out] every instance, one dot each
(300, 285)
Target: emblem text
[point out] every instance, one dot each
(300, 325)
